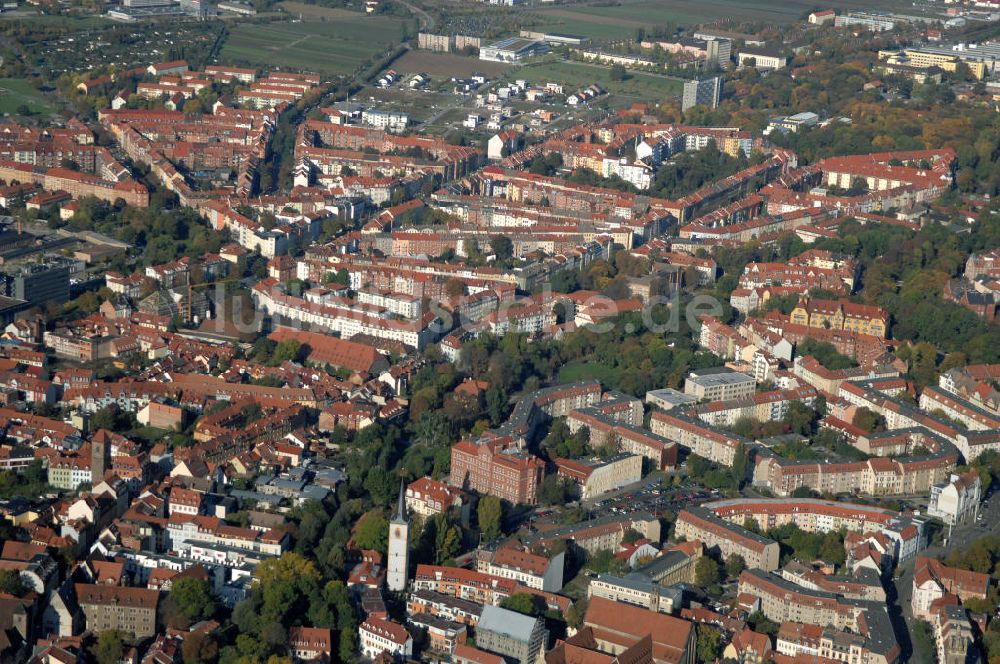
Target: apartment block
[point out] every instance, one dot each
(730, 539)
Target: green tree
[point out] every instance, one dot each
(868, 420)
(526, 603)
(372, 531)
(708, 643)
(192, 599)
(199, 649)
(348, 645)
(490, 515)
(706, 572)
(800, 418)
(923, 643)
(289, 350)
(760, 623)
(109, 647)
(555, 490)
(735, 565)
(502, 248)
(576, 613)
(10, 583)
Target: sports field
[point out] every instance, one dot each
(336, 45)
(15, 93)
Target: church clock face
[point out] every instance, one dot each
(398, 533)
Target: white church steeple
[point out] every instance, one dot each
(399, 546)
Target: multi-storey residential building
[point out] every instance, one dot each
(109, 607)
(713, 50)
(378, 635)
(933, 579)
(841, 315)
(762, 407)
(783, 601)
(863, 584)
(796, 638)
(705, 92)
(70, 471)
(703, 524)
(971, 415)
(513, 560)
(904, 534)
(310, 643)
(634, 589)
(448, 607)
(719, 384)
(878, 476)
(649, 585)
(957, 500)
(443, 636)
(599, 476)
(427, 497)
(979, 62)
(868, 21)
(761, 58)
(601, 534)
(701, 439)
(463, 584)
(211, 539)
(76, 183)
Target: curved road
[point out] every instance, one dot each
(426, 20)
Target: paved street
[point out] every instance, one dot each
(961, 536)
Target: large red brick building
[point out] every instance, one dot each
(496, 467)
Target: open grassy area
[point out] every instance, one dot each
(579, 74)
(619, 21)
(15, 93)
(334, 45)
(32, 18)
(581, 370)
(315, 11)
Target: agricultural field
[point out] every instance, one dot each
(446, 65)
(637, 85)
(329, 45)
(622, 20)
(315, 12)
(19, 94)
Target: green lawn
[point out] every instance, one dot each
(15, 93)
(582, 370)
(334, 46)
(639, 85)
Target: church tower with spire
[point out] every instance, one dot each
(399, 546)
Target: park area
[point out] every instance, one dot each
(622, 20)
(336, 42)
(16, 95)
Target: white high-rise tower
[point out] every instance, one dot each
(399, 547)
